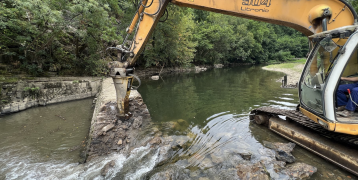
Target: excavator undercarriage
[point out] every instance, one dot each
(338, 148)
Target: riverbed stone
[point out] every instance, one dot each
(106, 167)
(218, 65)
(165, 153)
(120, 142)
(301, 170)
(255, 171)
(206, 163)
(137, 122)
(155, 77)
(171, 172)
(121, 133)
(285, 156)
(282, 150)
(216, 158)
(246, 156)
(155, 141)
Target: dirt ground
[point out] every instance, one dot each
(293, 74)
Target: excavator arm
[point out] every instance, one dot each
(307, 16)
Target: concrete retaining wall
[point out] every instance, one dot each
(19, 96)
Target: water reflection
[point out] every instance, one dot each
(216, 104)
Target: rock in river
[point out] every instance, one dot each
(249, 171)
(137, 122)
(301, 170)
(282, 150)
(106, 167)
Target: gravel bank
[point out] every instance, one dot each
(293, 74)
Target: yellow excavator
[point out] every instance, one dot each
(332, 29)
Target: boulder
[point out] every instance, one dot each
(106, 167)
(301, 170)
(252, 171)
(107, 128)
(282, 150)
(165, 153)
(155, 78)
(218, 65)
(155, 141)
(137, 122)
(246, 156)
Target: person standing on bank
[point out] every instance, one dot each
(345, 103)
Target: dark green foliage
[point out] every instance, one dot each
(58, 35)
(172, 42)
(70, 37)
(354, 4)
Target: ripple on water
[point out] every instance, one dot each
(217, 104)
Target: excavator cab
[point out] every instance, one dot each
(334, 54)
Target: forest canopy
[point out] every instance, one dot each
(71, 37)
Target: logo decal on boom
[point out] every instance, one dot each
(267, 3)
(246, 3)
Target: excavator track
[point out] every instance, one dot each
(303, 120)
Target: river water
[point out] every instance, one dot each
(212, 107)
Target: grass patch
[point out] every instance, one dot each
(302, 61)
(14, 79)
(8, 79)
(288, 65)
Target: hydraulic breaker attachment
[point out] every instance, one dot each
(123, 85)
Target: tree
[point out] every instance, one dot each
(172, 42)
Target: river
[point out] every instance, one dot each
(45, 142)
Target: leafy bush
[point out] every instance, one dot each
(71, 37)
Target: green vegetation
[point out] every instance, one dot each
(354, 3)
(8, 79)
(75, 81)
(70, 37)
(293, 65)
(198, 37)
(33, 91)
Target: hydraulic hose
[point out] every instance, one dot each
(148, 5)
(160, 6)
(140, 82)
(351, 8)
